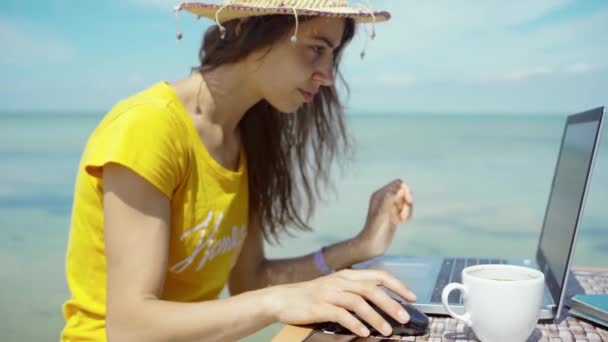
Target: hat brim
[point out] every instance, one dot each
(230, 12)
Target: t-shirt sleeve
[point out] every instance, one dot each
(146, 138)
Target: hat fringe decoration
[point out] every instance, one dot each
(235, 9)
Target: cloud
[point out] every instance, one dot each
(25, 44)
(477, 41)
(580, 68)
(430, 24)
(165, 5)
(526, 73)
(522, 74)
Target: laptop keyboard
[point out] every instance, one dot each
(451, 272)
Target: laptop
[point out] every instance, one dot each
(427, 275)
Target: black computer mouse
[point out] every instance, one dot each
(416, 326)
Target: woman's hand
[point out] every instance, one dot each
(389, 206)
(330, 298)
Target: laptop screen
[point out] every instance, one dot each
(567, 196)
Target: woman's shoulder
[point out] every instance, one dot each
(145, 134)
(155, 99)
(151, 110)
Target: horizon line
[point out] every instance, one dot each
(353, 112)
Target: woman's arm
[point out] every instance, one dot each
(136, 223)
(253, 271)
(389, 206)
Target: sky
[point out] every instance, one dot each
(474, 56)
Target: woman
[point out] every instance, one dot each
(179, 185)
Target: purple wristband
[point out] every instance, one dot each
(320, 263)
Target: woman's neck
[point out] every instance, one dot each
(218, 98)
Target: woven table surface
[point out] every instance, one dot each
(444, 329)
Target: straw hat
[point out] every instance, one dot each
(234, 9)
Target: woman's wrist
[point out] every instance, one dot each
(271, 302)
(345, 253)
(365, 247)
(321, 264)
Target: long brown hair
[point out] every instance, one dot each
(289, 156)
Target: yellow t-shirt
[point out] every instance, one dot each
(152, 134)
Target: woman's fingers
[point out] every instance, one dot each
(404, 203)
(404, 212)
(396, 194)
(370, 290)
(380, 278)
(349, 298)
(355, 303)
(409, 198)
(347, 320)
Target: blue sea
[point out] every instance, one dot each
(480, 184)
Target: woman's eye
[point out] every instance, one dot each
(318, 50)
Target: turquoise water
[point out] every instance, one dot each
(480, 184)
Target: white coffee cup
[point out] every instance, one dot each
(502, 302)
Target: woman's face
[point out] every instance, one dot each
(291, 74)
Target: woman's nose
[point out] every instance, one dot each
(324, 73)
(324, 77)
